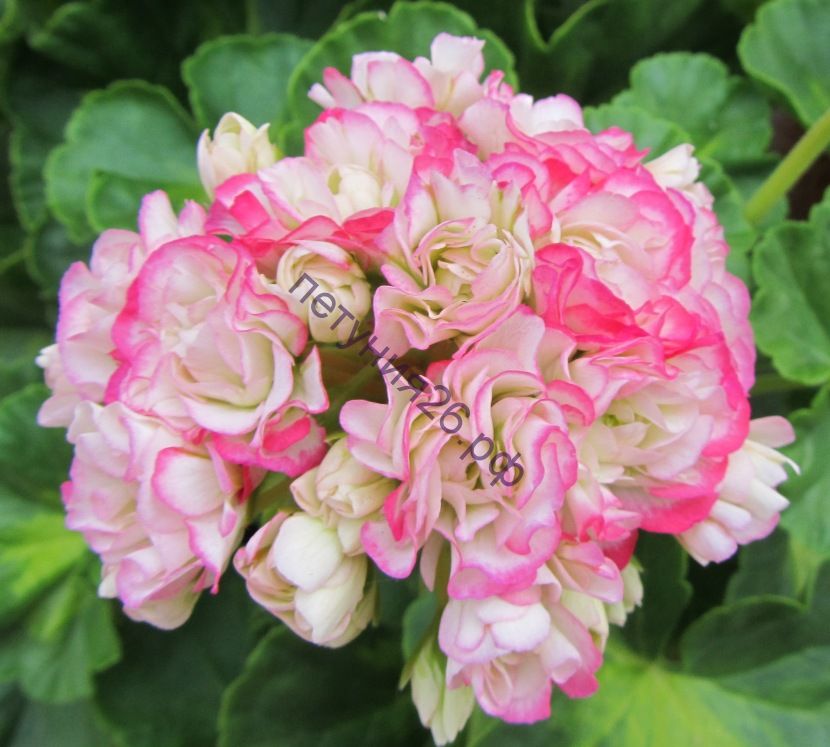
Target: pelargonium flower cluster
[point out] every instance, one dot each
(559, 360)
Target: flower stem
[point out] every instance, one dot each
(811, 145)
(10, 260)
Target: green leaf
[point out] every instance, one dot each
(786, 48)
(18, 348)
(753, 674)
(19, 297)
(68, 638)
(666, 592)
(725, 117)
(417, 620)
(649, 130)
(33, 460)
(166, 690)
(765, 567)
(408, 29)
(41, 100)
(791, 310)
(243, 74)
(298, 695)
(49, 252)
(307, 19)
(807, 520)
(729, 207)
(132, 131)
(111, 39)
(34, 553)
(73, 725)
(57, 632)
(591, 51)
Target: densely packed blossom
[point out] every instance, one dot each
(558, 360)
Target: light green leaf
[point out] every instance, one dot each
(56, 633)
(754, 674)
(408, 29)
(68, 638)
(34, 553)
(298, 695)
(649, 130)
(791, 310)
(786, 48)
(243, 74)
(725, 117)
(131, 131)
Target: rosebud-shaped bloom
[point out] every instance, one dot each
(337, 274)
(448, 81)
(296, 568)
(163, 514)
(443, 710)
(461, 261)
(206, 345)
(237, 147)
(80, 364)
(748, 506)
(342, 492)
(489, 477)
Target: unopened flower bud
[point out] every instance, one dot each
(237, 147)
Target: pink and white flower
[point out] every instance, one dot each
(207, 346)
(748, 505)
(80, 363)
(296, 567)
(164, 514)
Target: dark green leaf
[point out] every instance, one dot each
(18, 348)
(649, 628)
(297, 695)
(166, 690)
(72, 725)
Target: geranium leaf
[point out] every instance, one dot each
(724, 116)
(292, 693)
(243, 74)
(786, 48)
(166, 690)
(54, 632)
(791, 310)
(132, 130)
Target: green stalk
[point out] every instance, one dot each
(10, 260)
(811, 145)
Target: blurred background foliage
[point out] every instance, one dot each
(103, 100)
